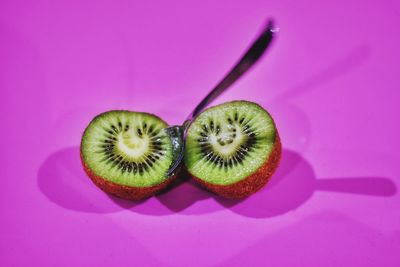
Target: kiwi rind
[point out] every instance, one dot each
(253, 181)
(116, 187)
(128, 192)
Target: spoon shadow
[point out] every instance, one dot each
(295, 182)
(290, 187)
(346, 64)
(62, 180)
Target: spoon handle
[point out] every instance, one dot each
(177, 133)
(245, 63)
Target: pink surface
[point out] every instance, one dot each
(331, 81)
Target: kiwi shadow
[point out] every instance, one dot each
(290, 187)
(62, 180)
(295, 182)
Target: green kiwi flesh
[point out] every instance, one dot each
(127, 148)
(230, 142)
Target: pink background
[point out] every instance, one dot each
(331, 81)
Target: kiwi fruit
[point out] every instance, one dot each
(127, 154)
(232, 149)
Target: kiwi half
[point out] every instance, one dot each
(127, 154)
(233, 149)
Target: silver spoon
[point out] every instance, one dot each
(177, 133)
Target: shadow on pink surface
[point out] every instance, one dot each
(343, 65)
(63, 181)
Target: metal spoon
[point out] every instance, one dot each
(177, 133)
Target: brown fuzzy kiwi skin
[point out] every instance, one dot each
(124, 191)
(252, 183)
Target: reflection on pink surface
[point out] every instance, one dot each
(330, 80)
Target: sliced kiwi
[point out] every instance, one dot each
(127, 153)
(233, 148)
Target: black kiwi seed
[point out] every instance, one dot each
(148, 161)
(115, 162)
(140, 167)
(239, 157)
(107, 145)
(134, 167)
(157, 143)
(109, 139)
(205, 150)
(139, 131)
(129, 168)
(202, 140)
(230, 121)
(225, 165)
(221, 162)
(218, 129)
(230, 164)
(121, 164)
(159, 152)
(244, 148)
(156, 147)
(204, 144)
(241, 120)
(108, 157)
(150, 158)
(211, 157)
(215, 160)
(126, 128)
(145, 167)
(108, 150)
